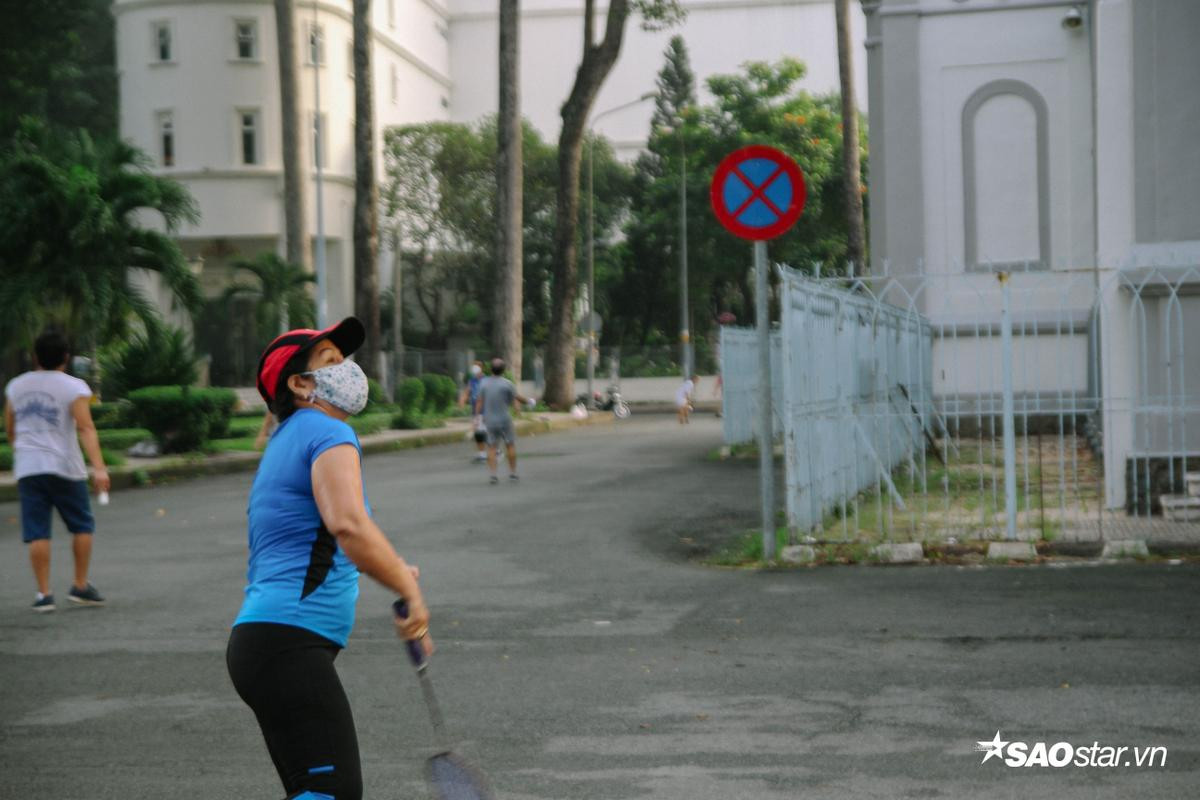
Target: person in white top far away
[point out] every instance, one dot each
(46, 415)
(683, 400)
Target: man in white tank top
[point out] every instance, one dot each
(46, 414)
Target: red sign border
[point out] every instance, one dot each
(790, 215)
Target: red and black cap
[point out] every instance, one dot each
(348, 335)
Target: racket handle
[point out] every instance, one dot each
(416, 653)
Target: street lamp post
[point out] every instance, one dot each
(685, 338)
(591, 250)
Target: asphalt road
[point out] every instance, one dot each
(585, 653)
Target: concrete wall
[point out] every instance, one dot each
(981, 139)
(1166, 117)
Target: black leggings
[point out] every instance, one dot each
(286, 675)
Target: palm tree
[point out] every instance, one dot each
(282, 301)
(73, 248)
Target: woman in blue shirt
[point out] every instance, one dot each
(310, 533)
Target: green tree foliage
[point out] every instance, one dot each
(58, 63)
(760, 105)
(439, 199)
(280, 293)
(74, 239)
(157, 356)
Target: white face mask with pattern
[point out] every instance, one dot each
(342, 385)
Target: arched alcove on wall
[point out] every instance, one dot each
(1006, 183)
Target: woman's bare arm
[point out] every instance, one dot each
(337, 487)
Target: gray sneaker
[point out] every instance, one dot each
(44, 605)
(85, 597)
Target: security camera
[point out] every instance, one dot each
(1073, 19)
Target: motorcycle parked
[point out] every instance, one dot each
(611, 400)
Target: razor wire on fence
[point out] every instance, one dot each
(895, 390)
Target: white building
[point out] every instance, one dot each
(1056, 138)
(200, 93)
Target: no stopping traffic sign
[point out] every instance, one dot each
(757, 192)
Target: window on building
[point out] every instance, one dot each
(318, 142)
(316, 44)
(248, 125)
(245, 34)
(166, 138)
(162, 41)
(394, 78)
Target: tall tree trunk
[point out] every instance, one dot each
(506, 334)
(297, 246)
(366, 194)
(856, 237)
(598, 60)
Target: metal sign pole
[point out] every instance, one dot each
(1010, 434)
(766, 433)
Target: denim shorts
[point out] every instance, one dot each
(40, 493)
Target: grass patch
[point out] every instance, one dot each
(241, 427)
(244, 444)
(747, 550)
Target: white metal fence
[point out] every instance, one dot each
(893, 390)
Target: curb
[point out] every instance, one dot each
(132, 476)
(1003, 552)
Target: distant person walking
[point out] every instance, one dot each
(497, 398)
(470, 394)
(46, 414)
(683, 400)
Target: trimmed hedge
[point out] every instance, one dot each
(412, 404)
(439, 392)
(122, 438)
(365, 424)
(376, 396)
(107, 416)
(183, 418)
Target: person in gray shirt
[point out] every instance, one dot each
(494, 403)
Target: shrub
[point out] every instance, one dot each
(412, 403)
(439, 392)
(6, 457)
(183, 418)
(365, 424)
(375, 393)
(433, 392)
(112, 415)
(449, 392)
(122, 438)
(158, 356)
